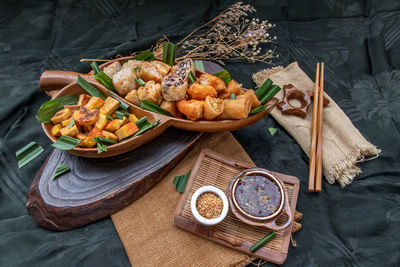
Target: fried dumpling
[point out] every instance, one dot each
(232, 88)
(149, 71)
(133, 97)
(124, 81)
(193, 109)
(235, 109)
(214, 81)
(174, 87)
(200, 92)
(170, 106)
(112, 69)
(213, 107)
(251, 96)
(151, 91)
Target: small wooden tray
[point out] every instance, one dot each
(215, 169)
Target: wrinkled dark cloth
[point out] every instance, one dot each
(358, 40)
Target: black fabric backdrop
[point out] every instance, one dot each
(358, 40)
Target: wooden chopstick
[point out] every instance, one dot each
(318, 175)
(312, 169)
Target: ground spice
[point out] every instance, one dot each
(209, 205)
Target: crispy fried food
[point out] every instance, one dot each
(150, 72)
(127, 130)
(124, 81)
(193, 109)
(61, 115)
(213, 107)
(183, 68)
(233, 88)
(89, 141)
(81, 136)
(112, 69)
(235, 109)
(94, 103)
(101, 122)
(174, 87)
(133, 97)
(170, 106)
(214, 81)
(83, 99)
(151, 91)
(73, 131)
(66, 122)
(133, 64)
(87, 117)
(132, 117)
(200, 92)
(113, 125)
(55, 130)
(163, 68)
(251, 96)
(110, 106)
(110, 135)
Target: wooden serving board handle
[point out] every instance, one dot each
(51, 80)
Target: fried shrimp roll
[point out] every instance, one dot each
(112, 69)
(170, 106)
(124, 81)
(235, 109)
(149, 71)
(151, 91)
(214, 81)
(193, 109)
(183, 68)
(200, 92)
(213, 107)
(174, 87)
(251, 96)
(232, 88)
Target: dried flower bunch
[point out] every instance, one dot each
(230, 35)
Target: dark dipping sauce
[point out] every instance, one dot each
(257, 195)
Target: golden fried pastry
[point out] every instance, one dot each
(183, 68)
(133, 97)
(151, 91)
(200, 92)
(163, 68)
(251, 96)
(214, 81)
(112, 69)
(124, 81)
(149, 72)
(170, 106)
(235, 109)
(213, 107)
(233, 88)
(174, 87)
(193, 109)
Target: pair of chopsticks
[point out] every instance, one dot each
(315, 168)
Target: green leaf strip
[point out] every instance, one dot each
(181, 181)
(28, 153)
(146, 128)
(272, 130)
(61, 169)
(169, 53)
(263, 88)
(146, 55)
(233, 96)
(142, 122)
(258, 109)
(146, 104)
(223, 75)
(272, 91)
(198, 64)
(192, 77)
(140, 82)
(119, 115)
(90, 89)
(262, 242)
(95, 67)
(66, 143)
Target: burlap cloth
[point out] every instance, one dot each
(146, 227)
(343, 145)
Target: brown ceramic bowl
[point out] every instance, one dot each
(66, 81)
(270, 221)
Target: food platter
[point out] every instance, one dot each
(66, 81)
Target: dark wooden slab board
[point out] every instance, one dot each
(96, 188)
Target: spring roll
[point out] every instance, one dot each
(213, 107)
(232, 88)
(200, 92)
(235, 109)
(174, 87)
(214, 81)
(193, 109)
(183, 68)
(251, 96)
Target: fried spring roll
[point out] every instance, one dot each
(213, 107)
(193, 109)
(174, 87)
(235, 109)
(183, 68)
(200, 92)
(251, 96)
(232, 88)
(214, 81)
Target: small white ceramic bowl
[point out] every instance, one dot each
(219, 193)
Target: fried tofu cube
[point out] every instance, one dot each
(113, 125)
(83, 99)
(66, 122)
(61, 115)
(87, 117)
(124, 121)
(94, 103)
(55, 130)
(73, 131)
(133, 118)
(81, 136)
(110, 135)
(110, 106)
(101, 122)
(89, 141)
(127, 130)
